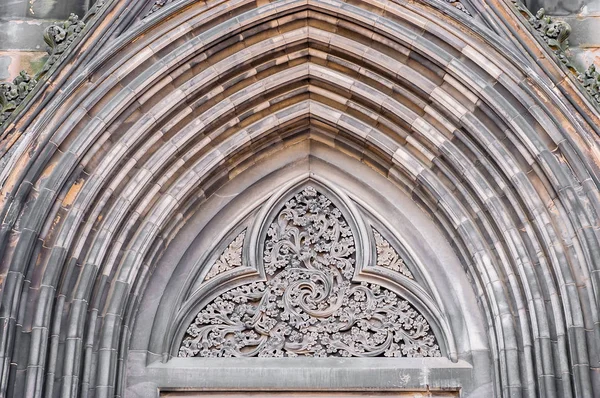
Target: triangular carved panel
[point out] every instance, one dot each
(309, 304)
(230, 258)
(388, 257)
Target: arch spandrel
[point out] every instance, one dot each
(153, 126)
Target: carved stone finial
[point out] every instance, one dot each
(459, 6)
(388, 257)
(12, 94)
(59, 37)
(309, 304)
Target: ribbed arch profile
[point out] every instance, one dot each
(137, 153)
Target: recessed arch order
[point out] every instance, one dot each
(135, 147)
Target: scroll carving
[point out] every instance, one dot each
(554, 32)
(556, 35)
(229, 259)
(309, 305)
(388, 257)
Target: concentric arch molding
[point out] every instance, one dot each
(310, 301)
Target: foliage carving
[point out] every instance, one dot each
(554, 32)
(309, 305)
(459, 6)
(388, 257)
(556, 35)
(12, 94)
(230, 258)
(59, 38)
(590, 79)
(158, 4)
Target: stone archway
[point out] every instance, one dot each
(142, 132)
(436, 286)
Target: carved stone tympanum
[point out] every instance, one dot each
(309, 304)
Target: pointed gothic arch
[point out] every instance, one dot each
(128, 149)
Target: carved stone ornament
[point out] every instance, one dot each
(590, 79)
(12, 94)
(229, 259)
(59, 37)
(309, 305)
(556, 34)
(388, 257)
(459, 6)
(158, 4)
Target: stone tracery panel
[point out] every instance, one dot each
(309, 304)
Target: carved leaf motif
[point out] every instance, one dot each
(309, 304)
(590, 79)
(459, 6)
(556, 34)
(388, 257)
(59, 37)
(229, 259)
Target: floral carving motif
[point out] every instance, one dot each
(59, 37)
(554, 32)
(590, 79)
(12, 94)
(388, 257)
(459, 6)
(309, 305)
(158, 4)
(229, 259)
